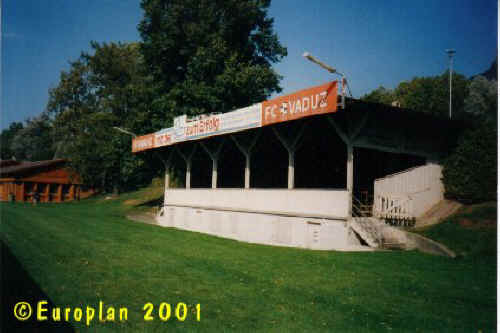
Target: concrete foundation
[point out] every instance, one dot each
(270, 229)
(313, 219)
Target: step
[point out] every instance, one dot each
(367, 229)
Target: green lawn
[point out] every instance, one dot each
(83, 253)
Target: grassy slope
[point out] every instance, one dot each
(85, 252)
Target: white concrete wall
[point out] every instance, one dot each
(269, 229)
(422, 184)
(314, 219)
(322, 203)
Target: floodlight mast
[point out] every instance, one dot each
(451, 52)
(330, 69)
(119, 129)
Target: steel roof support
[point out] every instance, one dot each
(168, 164)
(291, 147)
(350, 176)
(350, 161)
(188, 158)
(214, 155)
(247, 151)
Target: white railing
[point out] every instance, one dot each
(389, 206)
(408, 194)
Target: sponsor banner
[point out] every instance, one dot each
(308, 102)
(183, 130)
(244, 118)
(143, 142)
(304, 103)
(180, 121)
(203, 127)
(178, 129)
(164, 137)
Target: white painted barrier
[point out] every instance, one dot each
(299, 202)
(409, 193)
(315, 219)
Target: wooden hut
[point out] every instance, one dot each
(50, 181)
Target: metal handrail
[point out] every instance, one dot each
(356, 203)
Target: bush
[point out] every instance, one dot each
(470, 172)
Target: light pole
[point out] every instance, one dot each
(332, 70)
(451, 52)
(165, 163)
(349, 144)
(119, 129)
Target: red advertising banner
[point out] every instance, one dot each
(304, 103)
(143, 142)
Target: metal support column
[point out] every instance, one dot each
(188, 174)
(167, 164)
(214, 173)
(167, 177)
(214, 155)
(247, 151)
(349, 137)
(188, 159)
(291, 147)
(291, 168)
(350, 178)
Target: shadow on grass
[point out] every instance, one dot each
(152, 203)
(18, 286)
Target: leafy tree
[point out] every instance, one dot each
(101, 90)
(426, 94)
(470, 173)
(210, 56)
(380, 95)
(6, 137)
(482, 98)
(34, 141)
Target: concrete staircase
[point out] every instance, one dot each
(375, 233)
(378, 235)
(438, 212)
(367, 229)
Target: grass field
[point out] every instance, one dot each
(78, 254)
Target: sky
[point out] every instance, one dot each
(374, 43)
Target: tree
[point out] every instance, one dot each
(6, 139)
(101, 90)
(210, 56)
(34, 141)
(426, 94)
(380, 95)
(482, 98)
(470, 172)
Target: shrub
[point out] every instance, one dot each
(470, 172)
